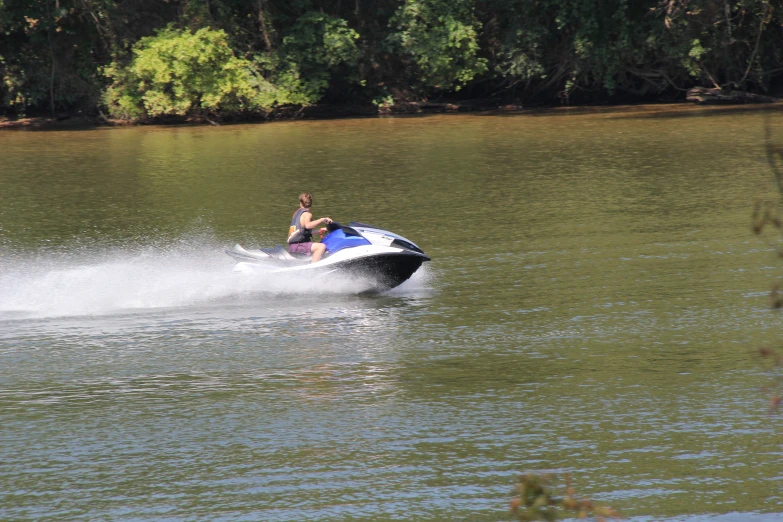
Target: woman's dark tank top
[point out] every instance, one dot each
(306, 233)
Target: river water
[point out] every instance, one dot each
(593, 306)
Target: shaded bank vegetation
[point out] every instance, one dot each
(146, 59)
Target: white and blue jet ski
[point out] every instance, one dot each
(380, 259)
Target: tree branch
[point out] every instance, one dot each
(756, 48)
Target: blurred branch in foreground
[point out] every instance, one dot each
(537, 499)
(766, 214)
(773, 386)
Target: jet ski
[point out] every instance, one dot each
(378, 259)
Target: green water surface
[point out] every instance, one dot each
(593, 306)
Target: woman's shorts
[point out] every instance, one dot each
(300, 248)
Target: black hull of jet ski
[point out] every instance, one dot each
(383, 271)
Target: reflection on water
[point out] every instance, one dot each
(593, 302)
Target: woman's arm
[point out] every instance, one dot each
(307, 216)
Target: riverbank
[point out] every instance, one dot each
(326, 112)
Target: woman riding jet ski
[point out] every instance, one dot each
(378, 257)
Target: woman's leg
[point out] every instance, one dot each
(318, 250)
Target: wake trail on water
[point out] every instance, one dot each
(97, 281)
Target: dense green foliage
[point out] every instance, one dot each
(179, 72)
(139, 59)
(440, 40)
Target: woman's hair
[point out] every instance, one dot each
(305, 199)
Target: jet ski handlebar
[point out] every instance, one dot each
(334, 225)
(347, 230)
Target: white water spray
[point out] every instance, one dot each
(181, 274)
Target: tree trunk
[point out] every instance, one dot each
(704, 96)
(262, 25)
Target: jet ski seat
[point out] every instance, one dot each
(282, 254)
